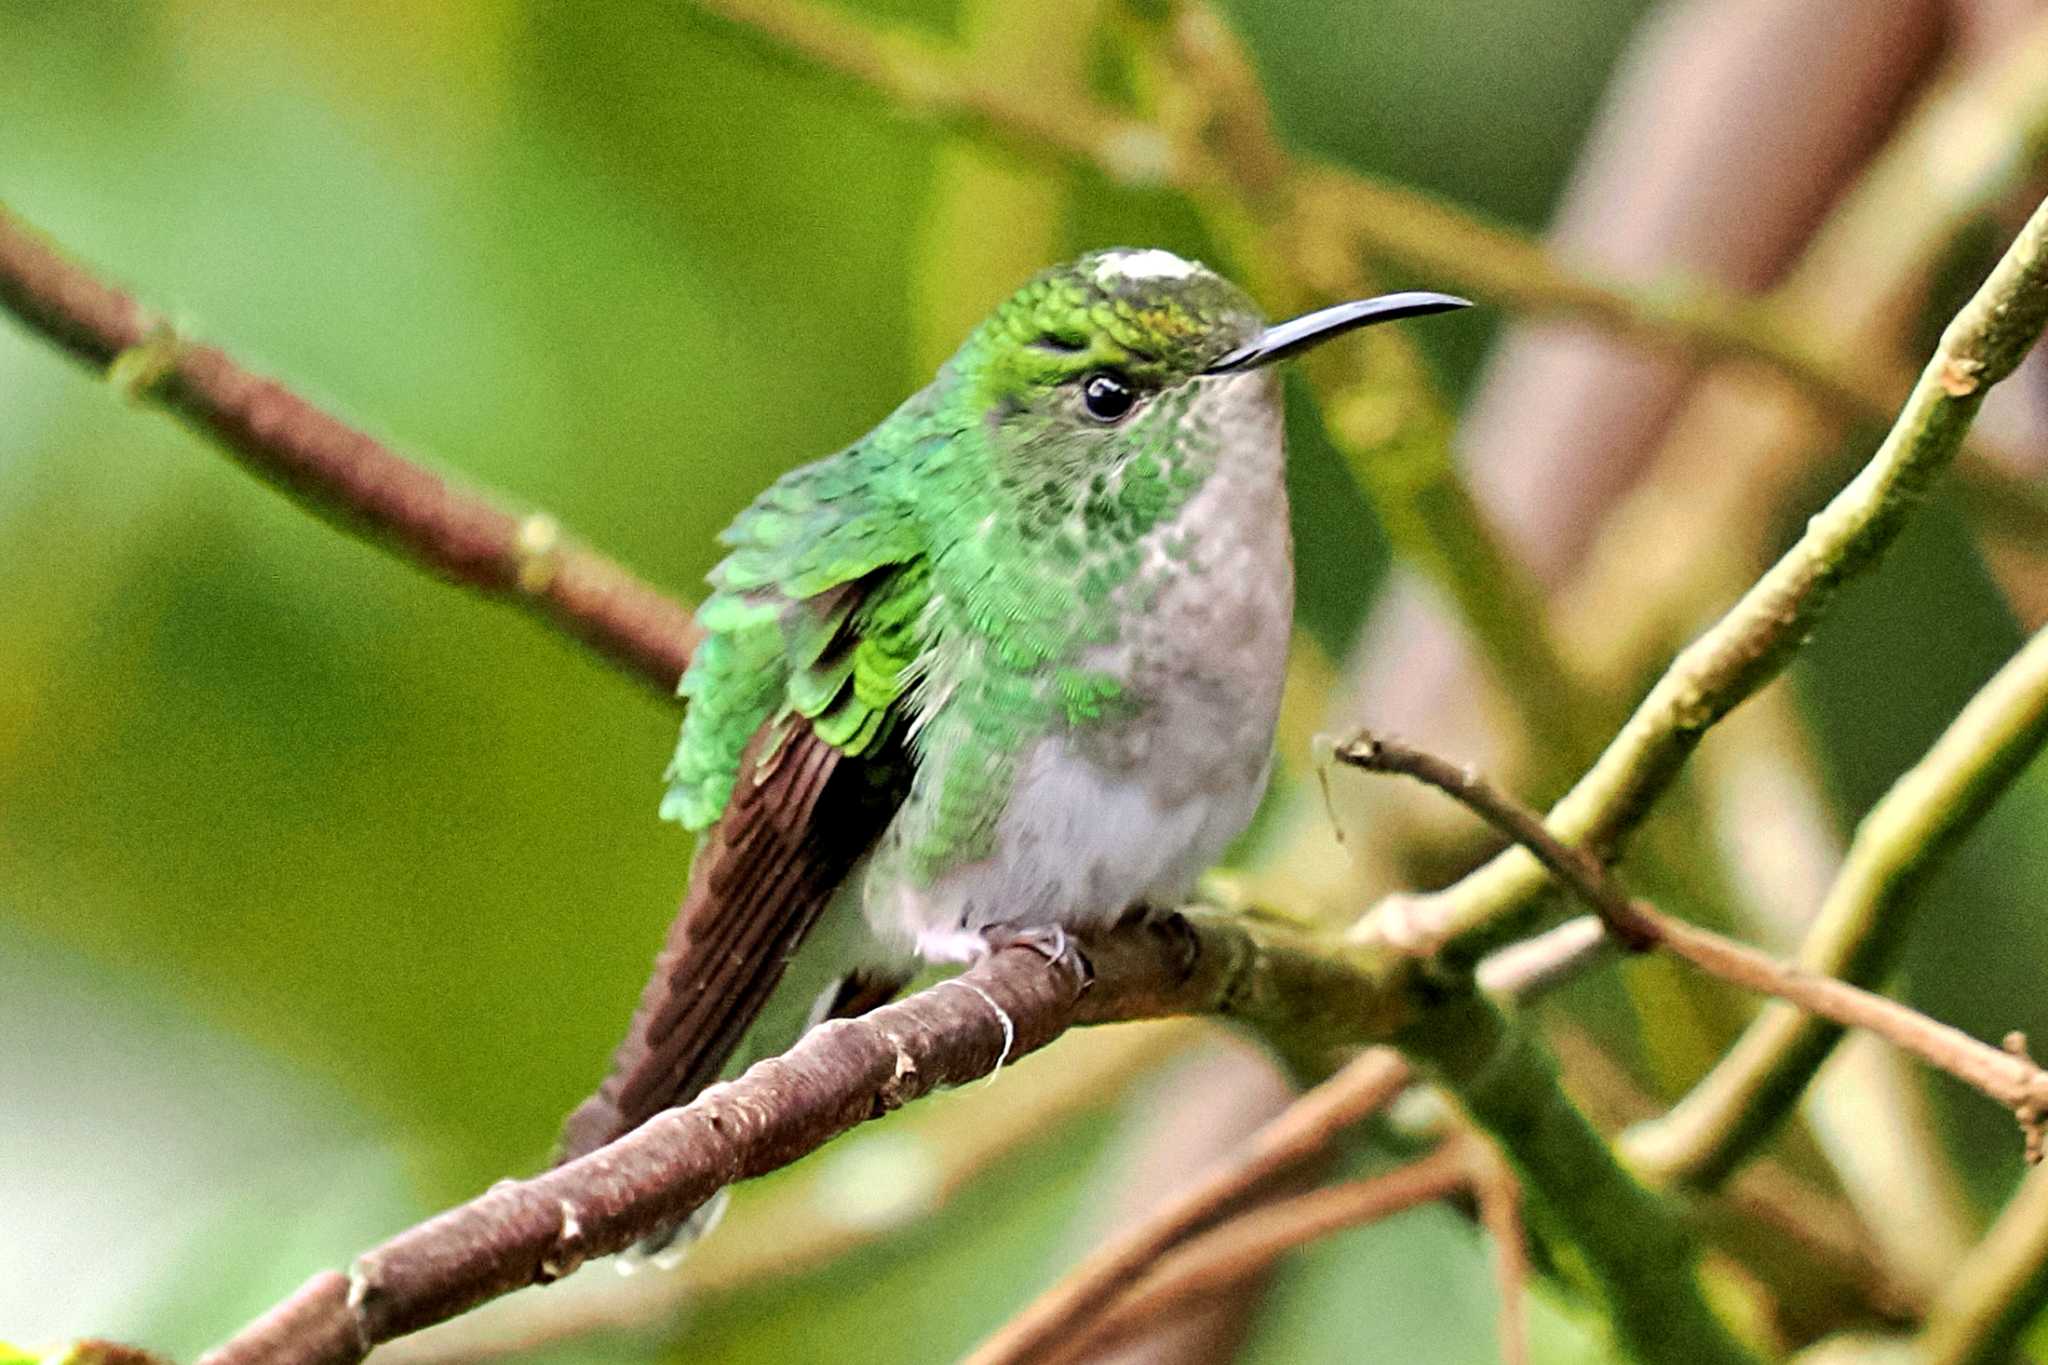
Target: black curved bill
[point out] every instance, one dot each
(1312, 329)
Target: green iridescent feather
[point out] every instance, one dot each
(944, 578)
(812, 615)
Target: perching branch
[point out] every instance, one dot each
(1327, 996)
(1754, 641)
(840, 1075)
(1861, 926)
(435, 1270)
(343, 474)
(2006, 1075)
(975, 1137)
(844, 1073)
(1304, 1130)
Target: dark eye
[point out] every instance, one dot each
(1108, 396)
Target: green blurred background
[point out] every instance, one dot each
(324, 889)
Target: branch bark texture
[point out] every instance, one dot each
(2006, 1075)
(343, 474)
(841, 1075)
(1861, 926)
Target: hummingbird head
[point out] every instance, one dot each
(1106, 352)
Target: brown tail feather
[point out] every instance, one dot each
(762, 876)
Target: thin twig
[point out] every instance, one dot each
(1301, 1131)
(1755, 640)
(840, 1075)
(1253, 1241)
(1861, 925)
(1500, 1213)
(341, 473)
(2006, 1075)
(1304, 1130)
(1623, 918)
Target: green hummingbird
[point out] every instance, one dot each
(1007, 666)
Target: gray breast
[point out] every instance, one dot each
(1118, 814)
(1203, 645)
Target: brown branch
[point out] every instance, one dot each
(978, 1131)
(841, 1075)
(1303, 1130)
(2006, 1075)
(343, 474)
(1500, 1213)
(1574, 866)
(1250, 1243)
(1862, 923)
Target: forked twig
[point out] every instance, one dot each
(1303, 1129)
(2006, 1074)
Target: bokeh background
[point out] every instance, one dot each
(325, 889)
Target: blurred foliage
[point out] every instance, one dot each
(324, 888)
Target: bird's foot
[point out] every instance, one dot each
(1181, 936)
(1172, 926)
(1051, 942)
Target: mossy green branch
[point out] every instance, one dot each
(1753, 642)
(1630, 1250)
(1861, 925)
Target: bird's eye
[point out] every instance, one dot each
(1108, 396)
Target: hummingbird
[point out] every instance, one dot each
(1006, 667)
